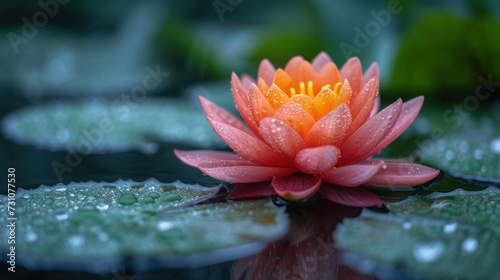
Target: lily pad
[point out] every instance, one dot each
(472, 152)
(481, 208)
(94, 226)
(99, 126)
(428, 236)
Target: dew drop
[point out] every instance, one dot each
(164, 225)
(127, 199)
(428, 252)
(31, 236)
(102, 206)
(61, 214)
(148, 200)
(495, 145)
(75, 241)
(469, 245)
(450, 228)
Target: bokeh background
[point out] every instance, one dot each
(63, 63)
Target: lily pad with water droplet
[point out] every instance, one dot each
(472, 151)
(481, 208)
(383, 244)
(443, 235)
(97, 126)
(93, 226)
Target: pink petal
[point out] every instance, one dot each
(296, 117)
(353, 175)
(246, 81)
(259, 104)
(240, 96)
(293, 63)
(320, 61)
(403, 174)
(247, 146)
(357, 197)
(360, 144)
(352, 71)
(242, 171)
(296, 187)
(219, 114)
(281, 137)
(251, 190)
(266, 71)
(330, 129)
(362, 105)
(409, 112)
(370, 73)
(194, 158)
(376, 106)
(317, 160)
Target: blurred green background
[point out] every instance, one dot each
(423, 47)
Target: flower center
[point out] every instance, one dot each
(309, 89)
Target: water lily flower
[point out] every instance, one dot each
(309, 128)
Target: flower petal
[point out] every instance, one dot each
(360, 145)
(246, 81)
(251, 190)
(296, 187)
(303, 72)
(329, 75)
(353, 175)
(259, 104)
(330, 129)
(219, 114)
(296, 117)
(276, 97)
(362, 106)
(409, 112)
(306, 102)
(247, 146)
(357, 197)
(403, 174)
(320, 61)
(266, 71)
(376, 106)
(240, 96)
(293, 63)
(281, 137)
(317, 160)
(370, 73)
(194, 158)
(242, 171)
(352, 71)
(283, 80)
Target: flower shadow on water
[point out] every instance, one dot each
(307, 251)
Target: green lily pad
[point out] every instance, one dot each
(99, 126)
(481, 208)
(93, 226)
(428, 235)
(472, 151)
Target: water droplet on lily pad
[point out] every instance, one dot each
(428, 252)
(127, 199)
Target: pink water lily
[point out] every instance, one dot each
(309, 128)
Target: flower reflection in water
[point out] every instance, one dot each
(307, 251)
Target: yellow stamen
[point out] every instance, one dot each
(292, 92)
(310, 89)
(337, 87)
(302, 88)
